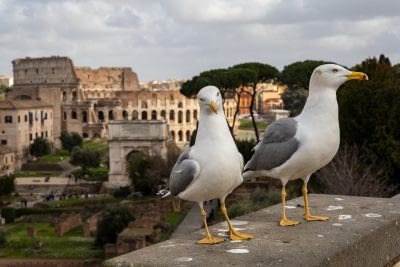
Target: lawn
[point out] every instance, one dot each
(72, 245)
(56, 157)
(78, 202)
(173, 220)
(36, 174)
(97, 144)
(248, 125)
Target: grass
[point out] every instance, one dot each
(173, 219)
(71, 246)
(78, 202)
(56, 157)
(36, 174)
(248, 125)
(97, 144)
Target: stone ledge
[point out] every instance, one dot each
(362, 231)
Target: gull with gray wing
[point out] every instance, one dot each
(296, 147)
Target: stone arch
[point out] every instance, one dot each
(163, 114)
(187, 136)
(180, 105)
(100, 116)
(173, 135)
(144, 115)
(172, 115)
(180, 116)
(65, 115)
(74, 95)
(134, 115)
(110, 115)
(187, 115)
(144, 104)
(180, 136)
(85, 135)
(74, 115)
(154, 115)
(195, 116)
(84, 116)
(125, 114)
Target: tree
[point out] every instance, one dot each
(297, 77)
(7, 185)
(40, 147)
(369, 113)
(264, 73)
(147, 173)
(114, 220)
(85, 158)
(70, 140)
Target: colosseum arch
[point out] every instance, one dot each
(144, 115)
(154, 115)
(172, 115)
(163, 114)
(125, 114)
(187, 115)
(134, 115)
(180, 116)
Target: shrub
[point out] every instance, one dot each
(114, 220)
(40, 147)
(85, 158)
(122, 192)
(70, 140)
(3, 239)
(7, 185)
(8, 214)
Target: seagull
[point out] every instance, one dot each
(297, 147)
(212, 167)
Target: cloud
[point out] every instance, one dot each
(179, 38)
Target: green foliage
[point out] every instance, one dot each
(258, 199)
(297, 77)
(147, 173)
(40, 147)
(8, 214)
(173, 220)
(85, 158)
(62, 205)
(92, 174)
(248, 125)
(245, 148)
(114, 220)
(369, 113)
(122, 192)
(56, 157)
(3, 239)
(70, 140)
(7, 185)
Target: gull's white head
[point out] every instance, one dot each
(210, 100)
(331, 76)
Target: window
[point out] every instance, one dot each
(110, 115)
(26, 118)
(30, 137)
(144, 115)
(4, 142)
(187, 115)
(8, 119)
(172, 115)
(154, 115)
(36, 135)
(173, 135)
(46, 134)
(134, 115)
(65, 115)
(180, 136)
(180, 105)
(144, 104)
(101, 116)
(180, 116)
(84, 116)
(125, 114)
(37, 71)
(195, 114)
(163, 114)
(19, 118)
(187, 136)
(74, 115)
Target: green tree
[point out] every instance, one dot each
(7, 185)
(85, 158)
(114, 220)
(40, 147)
(297, 77)
(369, 113)
(70, 140)
(264, 73)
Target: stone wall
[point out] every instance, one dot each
(90, 225)
(110, 78)
(66, 222)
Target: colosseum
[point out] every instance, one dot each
(84, 99)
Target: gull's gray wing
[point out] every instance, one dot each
(183, 173)
(277, 146)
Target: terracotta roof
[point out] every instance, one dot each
(18, 104)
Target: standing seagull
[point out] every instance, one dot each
(296, 147)
(211, 168)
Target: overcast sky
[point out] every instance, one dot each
(180, 38)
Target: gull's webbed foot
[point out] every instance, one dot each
(310, 218)
(210, 240)
(235, 235)
(286, 222)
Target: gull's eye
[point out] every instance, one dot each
(218, 94)
(202, 99)
(335, 70)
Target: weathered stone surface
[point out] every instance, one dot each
(361, 232)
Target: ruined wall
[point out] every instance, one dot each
(109, 78)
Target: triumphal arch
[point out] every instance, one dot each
(126, 137)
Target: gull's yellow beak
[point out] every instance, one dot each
(213, 106)
(354, 75)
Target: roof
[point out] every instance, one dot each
(18, 104)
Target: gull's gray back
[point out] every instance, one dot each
(277, 146)
(183, 173)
